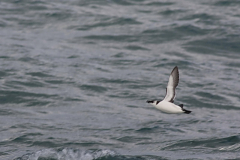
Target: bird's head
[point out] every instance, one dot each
(152, 101)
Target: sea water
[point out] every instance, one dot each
(75, 77)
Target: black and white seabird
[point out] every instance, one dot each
(167, 105)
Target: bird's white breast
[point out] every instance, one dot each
(168, 107)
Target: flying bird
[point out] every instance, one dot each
(167, 104)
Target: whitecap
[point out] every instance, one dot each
(67, 154)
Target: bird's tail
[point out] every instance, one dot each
(185, 111)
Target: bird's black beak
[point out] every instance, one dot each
(149, 101)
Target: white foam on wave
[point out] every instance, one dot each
(67, 154)
(234, 147)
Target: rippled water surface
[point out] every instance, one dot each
(75, 77)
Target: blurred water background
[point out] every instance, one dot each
(75, 76)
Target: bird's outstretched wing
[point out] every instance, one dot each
(172, 84)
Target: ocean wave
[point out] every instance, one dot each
(68, 154)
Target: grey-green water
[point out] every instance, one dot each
(75, 77)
